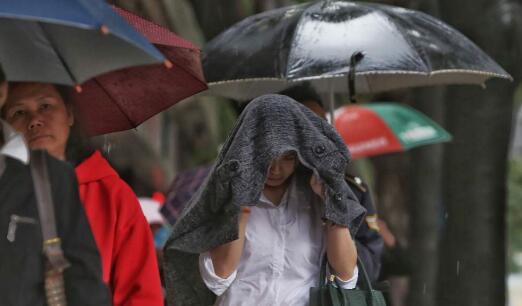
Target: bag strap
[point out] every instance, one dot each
(365, 278)
(51, 242)
(333, 295)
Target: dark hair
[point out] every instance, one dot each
(303, 92)
(79, 146)
(66, 94)
(2, 75)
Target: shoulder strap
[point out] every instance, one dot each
(2, 165)
(51, 242)
(365, 281)
(355, 181)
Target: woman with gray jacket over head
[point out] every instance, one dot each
(275, 203)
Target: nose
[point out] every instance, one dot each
(275, 167)
(35, 121)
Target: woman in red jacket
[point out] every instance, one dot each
(121, 232)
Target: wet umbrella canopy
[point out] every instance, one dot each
(315, 41)
(123, 99)
(379, 128)
(67, 41)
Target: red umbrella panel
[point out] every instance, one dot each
(365, 133)
(123, 99)
(380, 128)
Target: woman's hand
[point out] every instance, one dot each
(340, 248)
(225, 258)
(317, 186)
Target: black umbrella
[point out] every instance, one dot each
(335, 44)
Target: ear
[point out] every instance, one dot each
(70, 115)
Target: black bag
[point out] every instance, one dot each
(329, 293)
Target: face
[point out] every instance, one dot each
(315, 107)
(38, 112)
(281, 169)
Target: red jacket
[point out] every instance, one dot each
(122, 234)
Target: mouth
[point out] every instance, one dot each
(274, 178)
(38, 138)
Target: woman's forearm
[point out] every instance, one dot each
(225, 258)
(341, 251)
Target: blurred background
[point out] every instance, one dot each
(454, 210)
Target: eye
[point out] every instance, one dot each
(45, 106)
(288, 157)
(18, 113)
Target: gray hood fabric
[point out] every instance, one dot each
(268, 127)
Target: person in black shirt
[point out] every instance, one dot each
(21, 257)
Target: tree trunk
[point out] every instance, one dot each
(424, 206)
(473, 250)
(473, 247)
(425, 193)
(216, 16)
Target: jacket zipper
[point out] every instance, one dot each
(13, 223)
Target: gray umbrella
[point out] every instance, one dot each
(67, 41)
(329, 43)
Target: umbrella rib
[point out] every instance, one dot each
(187, 71)
(366, 73)
(58, 54)
(115, 102)
(88, 8)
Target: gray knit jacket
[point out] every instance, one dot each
(268, 127)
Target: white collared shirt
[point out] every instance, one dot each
(281, 257)
(14, 146)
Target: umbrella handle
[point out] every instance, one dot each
(331, 101)
(354, 60)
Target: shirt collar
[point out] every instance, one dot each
(289, 193)
(14, 145)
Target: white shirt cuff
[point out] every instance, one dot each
(351, 283)
(213, 282)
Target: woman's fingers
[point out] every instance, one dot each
(317, 186)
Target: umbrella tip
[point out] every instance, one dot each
(168, 64)
(78, 88)
(104, 29)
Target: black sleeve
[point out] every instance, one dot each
(368, 240)
(83, 279)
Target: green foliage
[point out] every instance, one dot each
(227, 118)
(518, 96)
(248, 6)
(515, 213)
